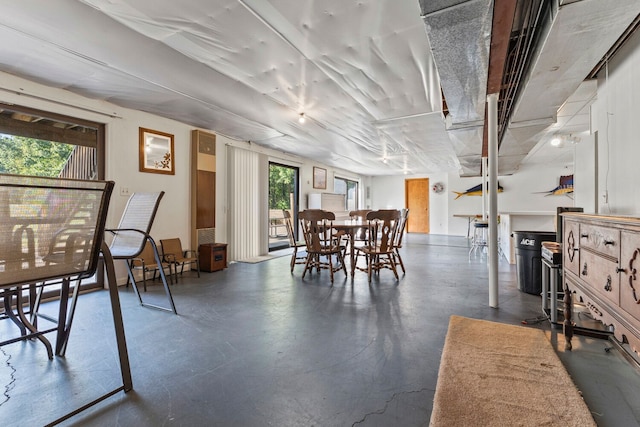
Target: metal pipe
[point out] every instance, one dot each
(492, 133)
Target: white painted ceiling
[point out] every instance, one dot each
(362, 71)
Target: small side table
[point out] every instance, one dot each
(213, 256)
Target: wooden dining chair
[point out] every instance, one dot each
(360, 234)
(297, 245)
(379, 249)
(323, 245)
(404, 215)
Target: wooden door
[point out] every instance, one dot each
(417, 200)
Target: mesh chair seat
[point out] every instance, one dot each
(131, 236)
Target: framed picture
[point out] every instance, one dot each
(319, 178)
(156, 152)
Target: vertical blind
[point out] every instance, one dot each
(248, 191)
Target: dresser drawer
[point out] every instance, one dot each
(600, 239)
(600, 275)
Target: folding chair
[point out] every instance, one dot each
(131, 236)
(173, 253)
(66, 219)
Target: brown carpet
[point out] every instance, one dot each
(492, 374)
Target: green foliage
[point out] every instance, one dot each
(28, 156)
(281, 185)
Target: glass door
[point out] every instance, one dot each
(283, 194)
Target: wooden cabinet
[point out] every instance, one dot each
(212, 256)
(601, 256)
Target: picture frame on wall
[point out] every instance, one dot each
(156, 152)
(319, 178)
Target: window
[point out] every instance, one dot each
(40, 143)
(350, 188)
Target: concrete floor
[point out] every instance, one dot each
(254, 345)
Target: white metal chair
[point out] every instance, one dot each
(131, 236)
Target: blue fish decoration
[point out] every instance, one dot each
(475, 191)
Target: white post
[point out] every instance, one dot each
(492, 105)
(485, 173)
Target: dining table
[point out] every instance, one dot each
(470, 218)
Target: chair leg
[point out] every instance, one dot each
(29, 326)
(397, 254)
(330, 261)
(393, 265)
(308, 265)
(293, 258)
(344, 267)
(61, 348)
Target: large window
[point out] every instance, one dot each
(350, 189)
(283, 194)
(34, 142)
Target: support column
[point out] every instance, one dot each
(492, 134)
(485, 174)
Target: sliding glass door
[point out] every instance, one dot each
(283, 194)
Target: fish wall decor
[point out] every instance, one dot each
(564, 188)
(475, 191)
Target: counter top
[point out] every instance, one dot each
(528, 213)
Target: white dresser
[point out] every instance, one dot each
(601, 259)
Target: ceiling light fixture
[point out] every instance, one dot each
(556, 141)
(302, 118)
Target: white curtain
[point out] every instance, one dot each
(248, 201)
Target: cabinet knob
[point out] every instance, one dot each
(609, 242)
(621, 270)
(584, 236)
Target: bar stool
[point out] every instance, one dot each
(479, 239)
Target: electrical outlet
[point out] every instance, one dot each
(124, 191)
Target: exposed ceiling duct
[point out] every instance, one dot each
(554, 46)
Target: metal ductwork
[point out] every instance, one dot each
(554, 45)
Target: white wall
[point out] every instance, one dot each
(173, 218)
(524, 191)
(615, 117)
(121, 150)
(388, 192)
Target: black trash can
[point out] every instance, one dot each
(529, 259)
